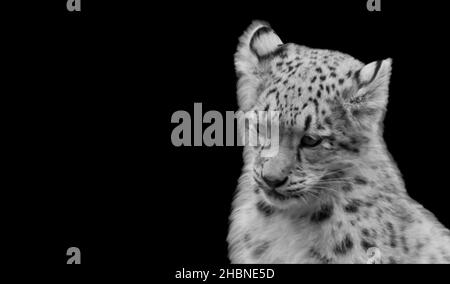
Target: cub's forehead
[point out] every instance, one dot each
(292, 59)
(303, 81)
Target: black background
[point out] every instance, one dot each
(97, 90)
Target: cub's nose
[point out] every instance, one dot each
(274, 182)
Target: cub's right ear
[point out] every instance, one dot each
(258, 41)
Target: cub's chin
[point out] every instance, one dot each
(300, 200)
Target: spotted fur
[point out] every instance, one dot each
(332, 202)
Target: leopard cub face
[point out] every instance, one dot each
(330, 109)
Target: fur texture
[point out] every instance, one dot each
(333, 192)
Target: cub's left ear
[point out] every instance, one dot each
(372, 86)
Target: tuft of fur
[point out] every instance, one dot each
(252, 46)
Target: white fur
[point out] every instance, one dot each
(248, 65)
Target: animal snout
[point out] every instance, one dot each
(275, 182)
(276, 171)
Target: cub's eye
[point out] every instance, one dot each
(309, 141)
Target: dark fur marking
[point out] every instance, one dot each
(347, 147)
(365, 244)
(307, 122)
(265, 208)
(316, 255)
(347, 187)
(344, 246)
(349, 74)
(404, 244)
(360, 180)
(325, 212)
(365, 232)
(260, 249)
(353, 206)
(316, 105)
(393, 238)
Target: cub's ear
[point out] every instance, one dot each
(368, 102)
(257, 42)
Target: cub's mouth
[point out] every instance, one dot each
(280, 193)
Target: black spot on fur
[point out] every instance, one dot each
(349, 74)
(392, 235)
(260, 249)
(265, 208)
(365, 232)
(404, 244)
(313, 253)
(347, 147)
(325, 212)
(316, 106)
(347, 187)
(365, 244)
(360, 180)
(352, 206)
(344, 246)
(307, 122)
